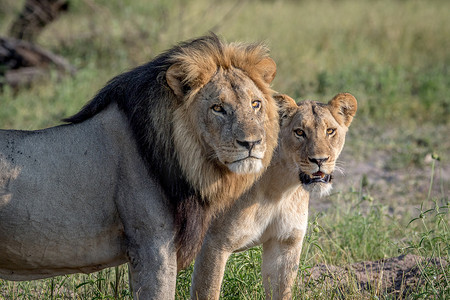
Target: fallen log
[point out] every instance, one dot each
(22, 62)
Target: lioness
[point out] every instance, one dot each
(275, 211)
(136, 174)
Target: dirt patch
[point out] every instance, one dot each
(395, 276)
(402, 190)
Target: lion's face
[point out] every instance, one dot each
(232, 115)
(312, 136)
(225, 120)
(230, 112)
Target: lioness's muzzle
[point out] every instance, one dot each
(318, 177)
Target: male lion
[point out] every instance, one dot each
(140, 169)
(275, 211)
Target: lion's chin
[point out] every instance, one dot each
(320, 189)
(249, 165)
(317, 183)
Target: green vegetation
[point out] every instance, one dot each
(392, 55)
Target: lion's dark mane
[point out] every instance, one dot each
(137, 94)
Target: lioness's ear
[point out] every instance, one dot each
(286, 105)
(268, 69)
(174, 78)
(343, 108)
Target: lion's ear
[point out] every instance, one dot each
(175, 80)
(268, 68)
(343, 108)
(286, 105)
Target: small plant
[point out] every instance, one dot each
(432, 241)
(243, 278)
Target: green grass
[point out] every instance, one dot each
(392, 55)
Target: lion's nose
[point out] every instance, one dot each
(248, 144)
(318, 161)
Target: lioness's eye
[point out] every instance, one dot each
(330, 131)
(218, 108)
(256, 104)
(299, 133)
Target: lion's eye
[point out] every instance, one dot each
(256, 104)
(218, 108)
(299, 133)
(331, 131)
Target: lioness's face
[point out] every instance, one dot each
(230, 113)
(313, 136)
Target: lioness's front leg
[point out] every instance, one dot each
(280, 266)
(208, 271)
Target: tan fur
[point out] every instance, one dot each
(221, 185)
(274, 212)
(232, 75)
(139, 171)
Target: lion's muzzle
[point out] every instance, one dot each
(248, 165)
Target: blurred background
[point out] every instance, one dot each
(392, 55)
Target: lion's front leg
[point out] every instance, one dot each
(149, 241)
(153, 268)
(208, 271)
(280, 266)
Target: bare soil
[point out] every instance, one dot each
(395, 276)
(402, 190)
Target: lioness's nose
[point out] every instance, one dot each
(318, 161)
(248, 144)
